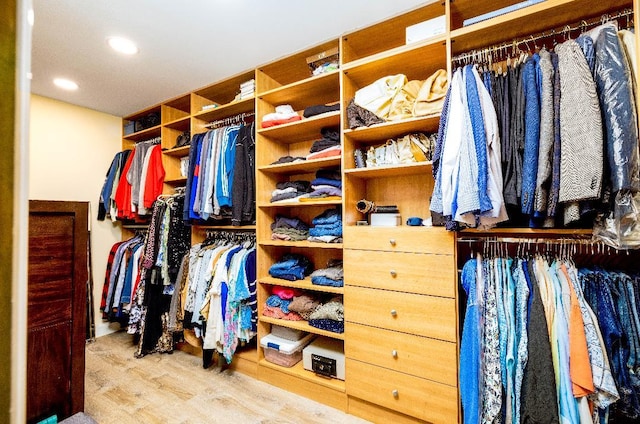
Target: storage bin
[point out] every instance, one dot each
(287, 333)
(283, 352)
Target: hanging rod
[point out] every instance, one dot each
(230, 120)
(154, 140)
(565, 30)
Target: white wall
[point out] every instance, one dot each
(70, 151)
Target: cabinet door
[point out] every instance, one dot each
(57, 290)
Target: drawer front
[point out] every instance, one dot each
(427, 316)
(420, 356)
(400, 239)
(423, 399)
(408, 272)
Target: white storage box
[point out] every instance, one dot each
(287, 333)
(325, 357)
(423, 30)
(385, 219)
(283, 352)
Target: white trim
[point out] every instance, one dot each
(20, 215)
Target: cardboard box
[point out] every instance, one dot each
(385, 219)
(426, 29)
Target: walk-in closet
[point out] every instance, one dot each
(422, 212)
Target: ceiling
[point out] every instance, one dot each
(183, 45)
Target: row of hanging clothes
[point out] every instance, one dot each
(215, 301)
(140, 282)
(544, 137)
(133, 182)
(551, 332)
(221, 175)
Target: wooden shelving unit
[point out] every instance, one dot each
(366, 54)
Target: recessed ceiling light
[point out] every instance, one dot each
(65, 84)
(122, 45)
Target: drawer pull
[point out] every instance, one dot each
(392, 242)
(393, 273)
(394, 312)
(394, 353)
(395, 393)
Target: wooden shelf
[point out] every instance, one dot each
(301, 325)
(386, 130)
(180, 124)
(390, 170)
(305, 284)
(229, 109)
(550, 14)
(147, 134)
(416, 61)
(178, 151)
(527, 232)
(306, 129)
(303, 244)
(298, 371)
(284, 204)
(319, 89)
(301, 166)
(175, 181)
(226, 227)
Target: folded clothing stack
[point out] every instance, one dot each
(288, 190)
(304, 304)
(332, 275)
(290, 229)
(327, 146)
(320, 109)
(283, 115)
(278, 304)
(291, 267)
(288, 159)
(327, 226)
(329, 316)
(327, 185)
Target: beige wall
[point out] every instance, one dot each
(70, 151)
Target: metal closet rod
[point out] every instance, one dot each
(565, 30)
(230, 120)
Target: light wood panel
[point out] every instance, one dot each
(423, 399)
(298, 371)
(302, 166)
(427, 316)
(377, 132)
(400, 239)
(386, 171)
(398, 271)
(303, 244)
(420, 356)
(319, 89)
(378, 414)
(305, 129)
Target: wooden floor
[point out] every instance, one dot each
(162, 388)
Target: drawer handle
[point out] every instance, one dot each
(395, 393)
(393, 273)
(392, 242)
(394, 312)
(394, 353)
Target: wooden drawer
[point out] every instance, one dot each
(399, 239)
(427, 316)
(420, 398)
(408, 272)
(420, 356)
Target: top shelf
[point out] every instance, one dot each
(229, 109)
(387, 35)
(549, 14)
(146, 134)
(319, 89)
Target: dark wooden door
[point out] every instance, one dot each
(56, 314)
